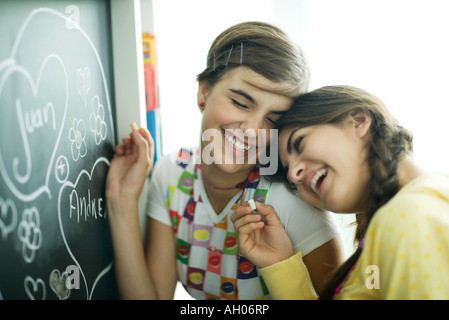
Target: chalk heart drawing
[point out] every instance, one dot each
(35, 289)
(58, 284)
(81, 212)
(37, 115)
(8, 217)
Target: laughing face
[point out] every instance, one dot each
(328, 164)
(238, 113)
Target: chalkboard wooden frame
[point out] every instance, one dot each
(129, 86)
(129, 82)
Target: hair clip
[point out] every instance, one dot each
(229, 56)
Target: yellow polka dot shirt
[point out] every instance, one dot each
(406, 247)
(405, 252)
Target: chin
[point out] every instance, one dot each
(234, 168)
(309, 198)
(340, 207)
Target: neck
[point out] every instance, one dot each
(221, 186)
(222, 181)
(408, 170)
(238, 186)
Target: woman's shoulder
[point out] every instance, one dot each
(428, 184)
(425, 195)
(406, 240)
(290, 207)
(418, 209)
(277, 192)
(183, 159)
(170, 167)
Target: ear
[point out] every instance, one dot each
(360, 122)
(203, 89)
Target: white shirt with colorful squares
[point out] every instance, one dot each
(208, 263)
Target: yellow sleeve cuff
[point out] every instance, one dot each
(289, 280)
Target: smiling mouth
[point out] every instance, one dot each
(236, 144)
(317, 179)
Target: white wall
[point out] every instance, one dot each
(396, 49)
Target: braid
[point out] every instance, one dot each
(390, 143)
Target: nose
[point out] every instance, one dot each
(255, 123)
(296, 171)
(254, 120)
(250, 131)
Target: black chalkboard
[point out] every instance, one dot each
(56, 142)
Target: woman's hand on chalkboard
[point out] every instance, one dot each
(131, 165)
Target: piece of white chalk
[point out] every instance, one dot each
(252, 204)
(134, 126)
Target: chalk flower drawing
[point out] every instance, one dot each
(83, 81)
(77, 135)
(8, 217)
(97, 124)
(30, 234)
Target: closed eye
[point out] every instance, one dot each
(238, 104)
(272, 121)
(275, 116)
(297, 144)
(242, 95)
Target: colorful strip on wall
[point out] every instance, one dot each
(152, 91)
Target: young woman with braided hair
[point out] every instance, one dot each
(343, 151)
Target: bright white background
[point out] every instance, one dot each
(396, 49)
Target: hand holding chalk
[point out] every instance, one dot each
(263, 243)
(125, 148)
(252, 205)
(145, 144)
(131, 165)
